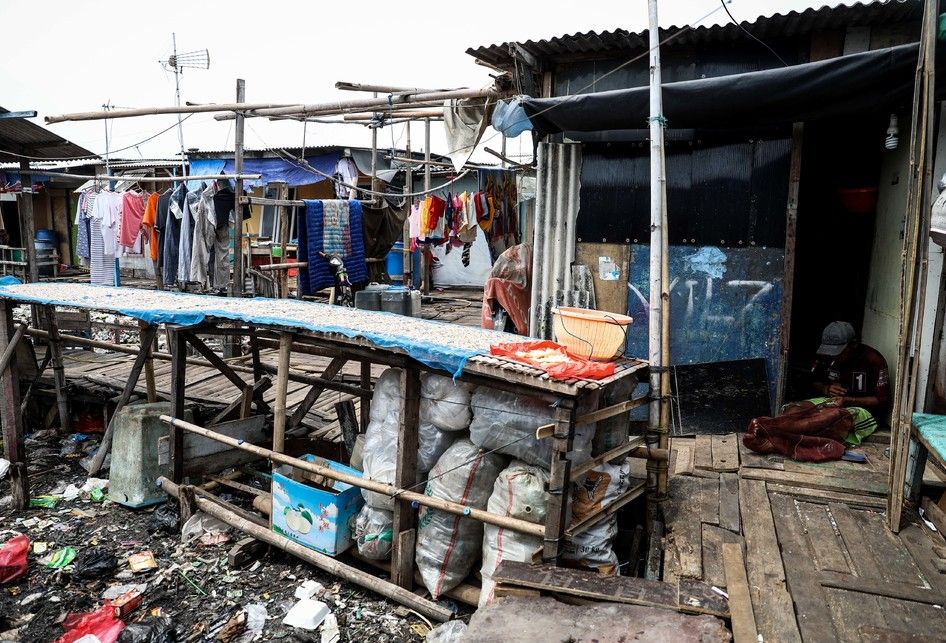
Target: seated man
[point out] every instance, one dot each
(851, 375)
(853, 381)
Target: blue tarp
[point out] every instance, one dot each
(429, 344)
(280, 170)
(204, 167)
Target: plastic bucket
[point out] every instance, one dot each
(590, 334)
(395, 259)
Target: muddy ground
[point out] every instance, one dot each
(193, 585)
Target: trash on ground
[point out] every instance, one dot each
(47, 502)
(154, 629)
(13, 563)
(101, 624)
(142, 562)
(165, 519)
(308, 589)
(60, 558)
(95, 563)
(307, 614)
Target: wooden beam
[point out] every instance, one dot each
(556, 517)
(215, 360)
(14, 446)
(788, 271)
(334, 368)
(737, 586)
(282, 385)
(27, 226)
(59, 371)
(405, 477)
(365, 404)
(259, 387)
(10, 350)
(147, 336)
(178, 349)
(144, 328)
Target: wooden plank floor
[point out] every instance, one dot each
(820, 562)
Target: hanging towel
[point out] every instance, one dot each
(328, 227)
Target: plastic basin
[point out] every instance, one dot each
(590, 334)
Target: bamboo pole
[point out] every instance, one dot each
(432, 113)
(283, 195)
(385, 89)
(323, 562)
(407, 275)
(425, 271)
(370, 104)
(156, 111)
(657, 233)
(148, 179)
(238, 284)
(454, 508)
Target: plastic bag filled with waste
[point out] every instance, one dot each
(592, 549)
(519, 492)
(445, 403)
(506, 422)
(373, 532)
(448, 545)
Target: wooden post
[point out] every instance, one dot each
(365, 403)
(238, 285)
(405, 476)
(282, 385)
(59, 371)
(425, 271)
(178, 348)
(788, 279)
(559, 476)
(407, 275)
(143, 333)
(147, 336)
(14, 448)
(27, 226)
(283, 275)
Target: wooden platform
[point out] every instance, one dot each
(820, 562)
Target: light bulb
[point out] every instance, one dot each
(892, 134)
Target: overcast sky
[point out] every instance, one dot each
(80, 55)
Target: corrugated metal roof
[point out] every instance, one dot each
(19, 136)
(143, 163)
(786, 25)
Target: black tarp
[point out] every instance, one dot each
(828, 88)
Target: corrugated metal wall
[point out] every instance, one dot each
(556, 213)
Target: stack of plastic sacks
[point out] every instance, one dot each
(447, 544)
(444, 416)
(519, 492)
(592, 549)
(506, 422)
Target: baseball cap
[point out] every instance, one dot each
(835, 338)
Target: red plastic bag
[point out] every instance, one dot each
(100, 623)
(554, 360)
(13, 559)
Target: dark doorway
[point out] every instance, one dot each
(11, 222)
(835, 239)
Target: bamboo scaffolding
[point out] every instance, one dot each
(386, 89)
(156, 111)
(522, 526)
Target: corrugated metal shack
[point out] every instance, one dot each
(735, 297)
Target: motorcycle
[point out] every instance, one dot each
(343, 291)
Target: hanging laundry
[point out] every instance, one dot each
(347, 172)
(510, 118)
(328, 226)
(172, 231)
(205, 223)
(224, 201)
(186, 243)
(132, 213)
(160, 225)
(148, 220)
(82, 224)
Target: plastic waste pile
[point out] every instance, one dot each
(592, 549)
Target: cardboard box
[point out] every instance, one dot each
(317, 517)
